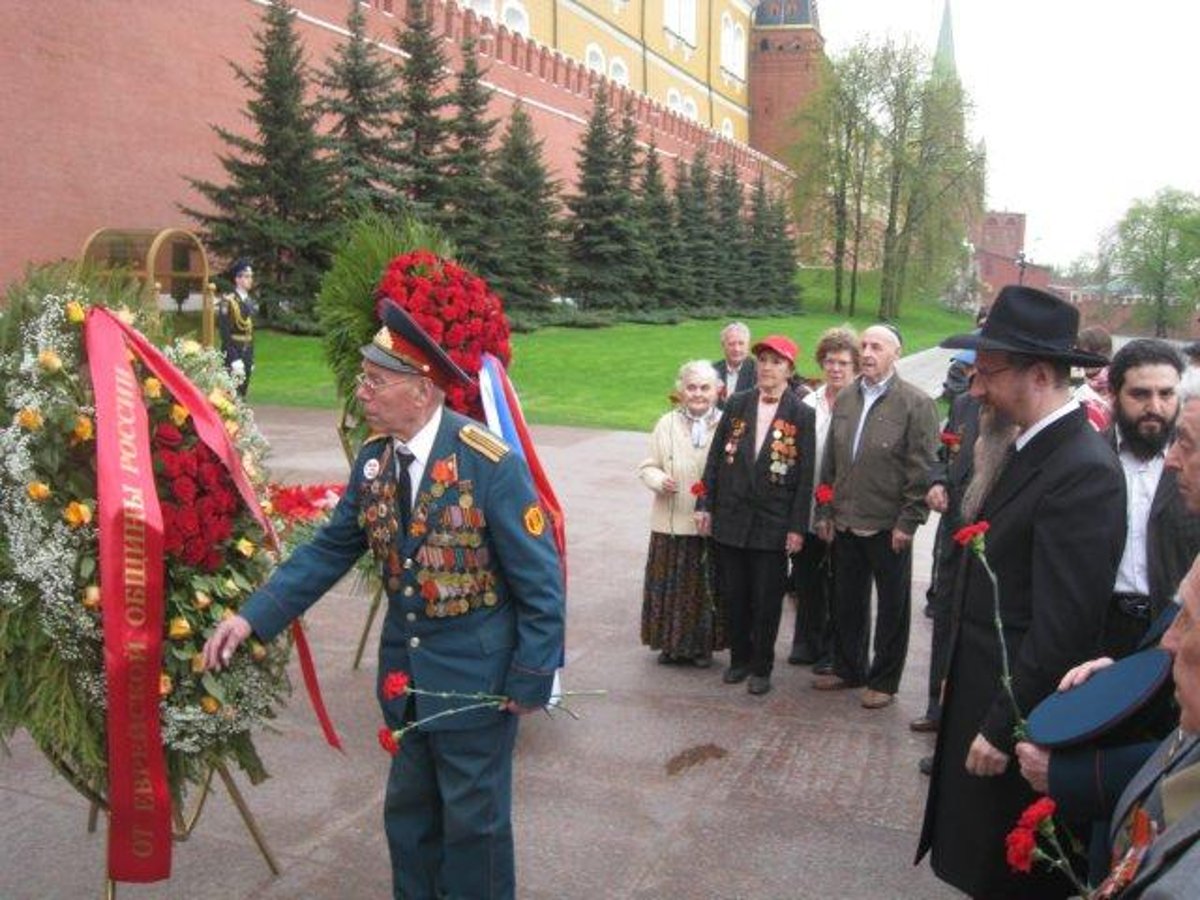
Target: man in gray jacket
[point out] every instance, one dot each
(882, 441)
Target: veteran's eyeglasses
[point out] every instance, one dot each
(373, 385)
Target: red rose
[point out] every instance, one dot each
(699, 490)
(951, 439)
(194, 551)
(169, 463)
(167, 435)
(823, 494)
(189, 461)
(184, 489)
(969, 533)
(1040, 810)
(213, 560)
(395, 684)
(387, 740)
(1020, 846)
(187, 521)
(209, 475)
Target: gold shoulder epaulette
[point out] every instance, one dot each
(484, 442)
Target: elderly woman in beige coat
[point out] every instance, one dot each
(680, 617)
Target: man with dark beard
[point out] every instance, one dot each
(1162, 537)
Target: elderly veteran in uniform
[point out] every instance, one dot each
(475, 604)
(758, 483)
(1057, 526)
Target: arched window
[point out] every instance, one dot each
(727, 42)
(594, 58)
(618, 72)
(739, 51)
(516, 19)
(690, 109)
(674, 101)
(679, 17)
(727, 127)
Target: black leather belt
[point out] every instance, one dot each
(1136, 605)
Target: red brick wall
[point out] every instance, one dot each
(107, 105)
(782, 76)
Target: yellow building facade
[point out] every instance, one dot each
(689, 55)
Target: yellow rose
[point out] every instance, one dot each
(198, 664)
(257, 651)
(165, 686)
(152, 387)
(49, 361)
(91, 597)
(179, 414)
(30, 419)
(227, 613)
(209, 704)
(180, 629)
(38, 491)
(201, 600)
(75, 313)
(77, 514)
(190, 347)
(266, 506)
(245, 546)
(232, 427)
(218, 398)
(84, 429)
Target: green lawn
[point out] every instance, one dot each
(614, 377)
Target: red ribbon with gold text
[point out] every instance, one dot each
(131, 588)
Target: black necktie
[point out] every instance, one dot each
(403, 488)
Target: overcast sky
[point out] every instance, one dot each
(1083, 106)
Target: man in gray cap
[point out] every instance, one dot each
(475, 606)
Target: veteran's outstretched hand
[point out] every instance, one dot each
(218, 650)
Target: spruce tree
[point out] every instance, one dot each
(657, 219)
(602, 236)
(470, 195)
(758, 292)
(361, 101)
(781, 255)
(696, 221)
(527, 267)
(681, 269)
(639, 252)
(729, 230)
(275, 206)
(421, 131)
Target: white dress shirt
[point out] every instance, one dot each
(421, 446)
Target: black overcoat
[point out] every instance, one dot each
(1057, 530)
(752, 507)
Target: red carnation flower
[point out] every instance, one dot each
(823, 494)
(699, 490)
(387, 740)
(395, 685)
(951, 439)
(969, 533)
(1020, 846)
(1037, 812)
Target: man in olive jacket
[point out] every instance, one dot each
(883, 438)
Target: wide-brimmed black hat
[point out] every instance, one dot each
(402, 345)
(1031, 322)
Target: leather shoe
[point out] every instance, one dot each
(872, 699)
(703, 661)
(801, 656)
(759, 684)
(736, 674)
(830, 682)
(824, 667)
(925, 765)
(923, 725)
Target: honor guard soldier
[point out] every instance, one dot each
(235, 320)
(475, 605)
